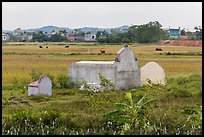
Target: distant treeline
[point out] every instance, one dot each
(40, 37)
(147, 33)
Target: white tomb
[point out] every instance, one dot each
(42, 86)
(152, 72)
(124, 72)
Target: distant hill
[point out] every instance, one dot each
(91, 29)
(7, 31)
(49, 29)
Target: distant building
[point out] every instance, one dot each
(5, 37)
(90, 36)
(102, 35)
(172, 33)
(72, 37)
(26, 37)
(21, 35)
(62, 33)
(18, 31)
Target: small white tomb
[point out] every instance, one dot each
(42, 86)
(124, 72)
(152, 72)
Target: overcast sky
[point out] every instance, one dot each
(100, 14)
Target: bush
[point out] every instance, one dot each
(48, 118)
(52, 79)
(19, 83)
(24, 116)
(35, 74)
(65, 81)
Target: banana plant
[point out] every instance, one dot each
(130, 113)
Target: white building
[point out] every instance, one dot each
(18, 31)
(41, 86)
(5, 37)
(124, 72)
(90, 37)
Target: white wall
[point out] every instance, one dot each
(33, 91)
(125, 73)
(45, 86)
(89, 72)
(5, 38)
(128, 69)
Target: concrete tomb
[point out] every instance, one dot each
(124, 72)
(42, 86)
(152, 72)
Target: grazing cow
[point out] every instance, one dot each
(46, 46)
(158, 49)
(66, 47)
(40, 47)
(102, 51)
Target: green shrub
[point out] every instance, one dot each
(35, 74)
(48, 118)
(24, 116)
(52, 78)
(65, 82)
(19, 83)
(106, 83)
(129, 115)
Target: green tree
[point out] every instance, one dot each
(198, 32)
(101, 35)
(57, 38)
(81, 34)
(183, 32)
(147, 33)
(40, 37)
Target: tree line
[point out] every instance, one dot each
(146, 33)
(40, 37)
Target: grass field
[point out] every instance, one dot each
(70, 111)
(21, 59)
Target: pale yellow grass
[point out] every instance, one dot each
(20, 66)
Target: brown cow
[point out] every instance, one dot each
(102, 51)
(158, 49)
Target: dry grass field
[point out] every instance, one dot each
(18, 60)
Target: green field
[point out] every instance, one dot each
(71, 111)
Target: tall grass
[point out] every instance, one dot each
(70, 111)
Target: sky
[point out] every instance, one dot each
(73, 15)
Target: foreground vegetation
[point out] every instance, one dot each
(71, 111)
(174, 109)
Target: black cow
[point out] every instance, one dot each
(40, 47)
(66, 47)
(46, 46)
